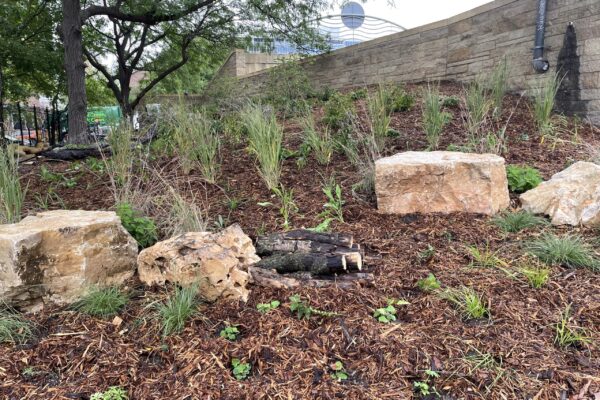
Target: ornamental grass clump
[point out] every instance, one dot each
(14, 328)
(102, 302)
(12, 195)
(197, 142)
(468, 302)
(265, 137)
(568, 250)
(544, 97)
(434, 118)
(517, 221)
(180, 307)
(320, 142)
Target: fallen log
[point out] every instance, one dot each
(336, 239)
(315, 263)
(306, 251)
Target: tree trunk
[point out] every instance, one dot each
(75, 70)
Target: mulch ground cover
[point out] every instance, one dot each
(510, 355)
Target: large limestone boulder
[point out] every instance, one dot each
(441, 182)
(217, 262)
(570, 197)
(55, 256)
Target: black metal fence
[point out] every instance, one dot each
(29, 126)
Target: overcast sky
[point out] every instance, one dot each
(412, 13)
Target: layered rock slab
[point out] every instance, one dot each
(55, 256)
(570, 197)
(216, 262)
(441, 182)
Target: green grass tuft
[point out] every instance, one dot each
(11, 194)
(178, 309)
(568, 250)
(102, 302)
(517, 221)
(467, 301)
(429, 284)
(566, 335)
(14, 328)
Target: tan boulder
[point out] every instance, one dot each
(55, 256)
(217, 262)
(441, 182)
(570, 197)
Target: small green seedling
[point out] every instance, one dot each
(397, 302)
(429, 284)
(304, 311)
(427, 254)
(422, 388)
(264, 308)
(536, 276)
(566, 335)
(339, 372)
(240, 369)
(485, 258)
(385, 315)
(335, 203)
(113, 393)
(229, 333)
(467, 301)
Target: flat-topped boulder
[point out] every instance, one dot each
(55, 256)
(570, 197)
(217, 262)
(441, 182)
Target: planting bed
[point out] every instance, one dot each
(511, 355)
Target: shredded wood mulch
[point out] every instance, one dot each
(511, 355)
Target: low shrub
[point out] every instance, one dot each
(450, 101)
(522, 178)
(102, 302)
(339, 115)
(141, 228)
(400, 100)
(359, 94)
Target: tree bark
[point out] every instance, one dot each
(75, 70)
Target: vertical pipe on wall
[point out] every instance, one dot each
(540, 64)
